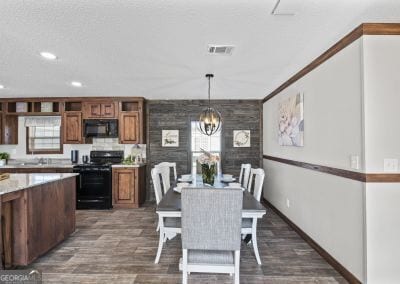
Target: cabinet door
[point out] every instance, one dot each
(124, 187)
(1, 128)
(108, 110)
(92, 110)
(129, 129)
(72, 128)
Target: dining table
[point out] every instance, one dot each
(170, 205)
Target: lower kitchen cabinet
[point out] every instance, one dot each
(128, 187)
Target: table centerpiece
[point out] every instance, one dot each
(208, 164)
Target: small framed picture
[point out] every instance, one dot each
(170, 138)
(241, 138)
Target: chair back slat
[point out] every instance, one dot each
(258, 176)
(166, 174)
(244, 174)
(211, 218)
(155, 176)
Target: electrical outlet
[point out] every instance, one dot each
(355, 162)
(287, 203)
(390, 165)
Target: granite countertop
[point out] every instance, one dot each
(128, 166)
(18, 182)
(20, 166)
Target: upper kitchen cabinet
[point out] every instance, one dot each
(99, 110)
(129, 111)
(72, 127)
(131, 122)
(129, 128)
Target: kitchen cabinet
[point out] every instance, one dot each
(1, 128)
(99, 110)
(72, 128)
(108, 110)
(9, 131)
(128, 187)
(92, 110)
(129, 111)
(129, 128)
(35, 219)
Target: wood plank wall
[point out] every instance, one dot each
(177, 115)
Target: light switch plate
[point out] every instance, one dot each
(390, 165)
(355, 162)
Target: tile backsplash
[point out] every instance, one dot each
(107, 144)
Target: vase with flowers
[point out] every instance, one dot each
(208, 164)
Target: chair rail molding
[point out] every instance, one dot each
(363, 177)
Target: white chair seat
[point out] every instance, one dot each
(210, 257)
(172, 222)
(247, 222)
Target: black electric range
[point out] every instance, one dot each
(94, 184)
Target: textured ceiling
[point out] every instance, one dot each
(157, 49)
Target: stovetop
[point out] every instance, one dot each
(103, 159)
(89, 165)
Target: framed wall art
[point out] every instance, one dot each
(170, 138)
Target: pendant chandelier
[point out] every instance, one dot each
(210, 118)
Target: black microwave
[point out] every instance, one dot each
(102, 128)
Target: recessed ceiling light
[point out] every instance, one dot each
(2, 87)
(76, 84)
(48, 55)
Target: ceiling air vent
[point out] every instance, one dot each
(220, 49)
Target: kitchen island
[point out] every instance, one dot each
(38, 212)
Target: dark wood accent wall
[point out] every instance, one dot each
(363, 177)
(363, 29)
(177, 115)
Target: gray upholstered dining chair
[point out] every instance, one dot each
(244, 174)
(168, 226)
(211, 222)
(165, 168)
(249, 225)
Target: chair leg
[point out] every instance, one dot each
(237, 267)
(160, 245)
(254, 240)
(158, 226)
(184, 267)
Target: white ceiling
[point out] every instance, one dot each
(158, 49)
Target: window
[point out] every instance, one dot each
(43, 136)
(201, 141)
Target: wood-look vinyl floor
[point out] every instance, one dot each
(119, 246)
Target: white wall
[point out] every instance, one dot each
(328, 208)
(382, 140)
(351, 107)
(332, 113)
(382, 100)
(383, 233)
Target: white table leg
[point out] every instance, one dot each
(254, 240)
(161, 240)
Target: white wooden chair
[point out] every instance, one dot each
(168, 226)
(166, 175)
(211, 222)
(244, 174)
(249, 225)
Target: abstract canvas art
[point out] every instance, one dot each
(291, 121)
